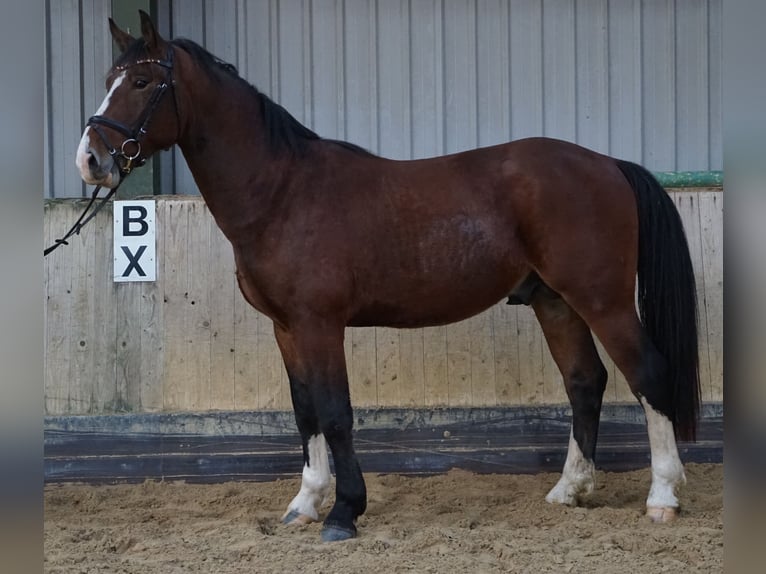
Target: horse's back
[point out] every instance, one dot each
(437, 240)
(433, 241)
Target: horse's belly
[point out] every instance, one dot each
(431, 303)
(437, 269)
(382, 315)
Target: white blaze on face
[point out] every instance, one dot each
(578, 476)
(83, 150)
(667, 470)
(315, 481)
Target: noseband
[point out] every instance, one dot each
(129, 154)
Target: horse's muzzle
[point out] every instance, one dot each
(97, 169)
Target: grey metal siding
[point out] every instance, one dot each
(637, 79)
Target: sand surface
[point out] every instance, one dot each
(456, 522)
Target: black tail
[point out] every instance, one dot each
(667, 295)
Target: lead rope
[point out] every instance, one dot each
(80, 223)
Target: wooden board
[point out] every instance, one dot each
(411, 368)
(483, 380)
(245, 355)
(363, 376)
(103, 347)
(506, 354)
(435, 365)
(711, 216)
(222, 284)
(152, 322)
(198, 312)
(530, 341)
(190, 342)
(177, 379)
(81, 332)
(61, 266)
(388, 366)
(269, 366)
(688, 205)
(459, 364)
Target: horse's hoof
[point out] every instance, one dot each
(563, 493)
(295, 518)
(662, 514)
(561, 497)
(335, 533)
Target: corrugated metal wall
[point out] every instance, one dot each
(78, 47)
(636, 79)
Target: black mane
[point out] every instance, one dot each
(284, 132)
(203, 58)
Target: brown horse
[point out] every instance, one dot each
(326, 235)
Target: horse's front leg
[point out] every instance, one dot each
(314, 358)
(315, 479)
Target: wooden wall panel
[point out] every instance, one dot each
(61, 266)
(459, 364)
(223, 293)
(174, 228)
(687, 204)
(435, 366)
(245, 354)
(81, 332)
(197, 303)
(711, 232)
(189, 342)
(506, 354)
(483, 383)
(152, 348)
(387, 359)
(104, 311)
(411, 368)
(364, 369)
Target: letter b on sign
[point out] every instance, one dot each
(134, 221)
(134, 241)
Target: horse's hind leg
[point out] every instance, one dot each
(572, 347)
(626, 341)
(314, 358)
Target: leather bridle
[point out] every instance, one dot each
(129, 154)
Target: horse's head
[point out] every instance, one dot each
(138, 115)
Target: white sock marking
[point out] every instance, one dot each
(315, 482)
(578, 476)
(667, 470)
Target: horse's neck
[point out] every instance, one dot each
(225, 148)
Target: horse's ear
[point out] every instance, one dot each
(150, 34)
(122, 39)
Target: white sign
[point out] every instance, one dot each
(135, 248)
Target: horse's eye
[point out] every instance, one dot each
(140, 84)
